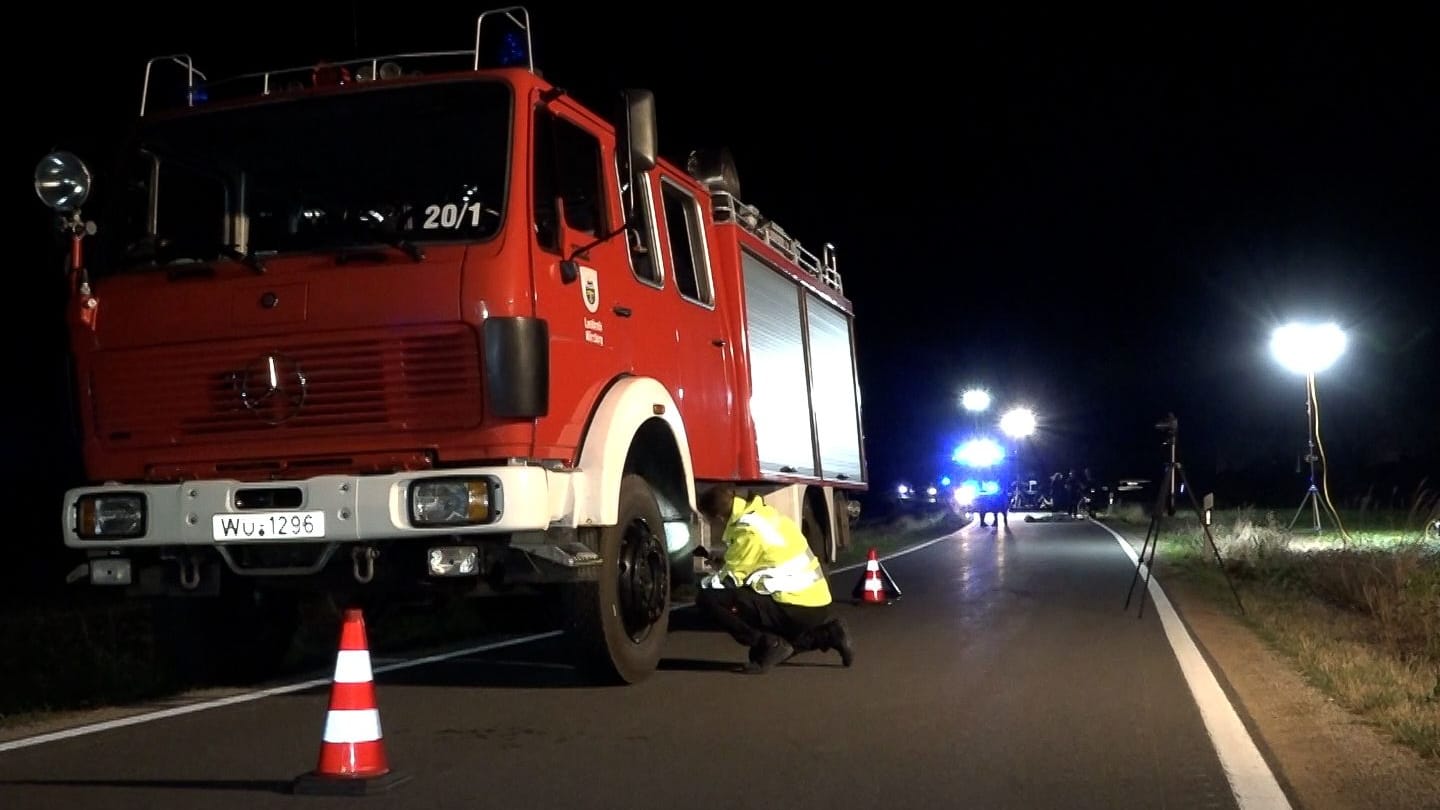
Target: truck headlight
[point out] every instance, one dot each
(454, 501)
(110, 515)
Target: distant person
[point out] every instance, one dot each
(995, 503)
(1059, 493)
(1075, 488)
(770, 592)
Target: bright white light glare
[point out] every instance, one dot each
(1307, 348)
(979, 453)
(966, 492)
(677, 536)
(1018, 422)
(975, 399)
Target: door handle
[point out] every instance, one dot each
(718, 343)
(623, 312)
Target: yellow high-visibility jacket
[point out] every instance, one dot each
(767, 552)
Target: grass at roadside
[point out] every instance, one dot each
(893, 534)
(77, 657)
(1361, 620)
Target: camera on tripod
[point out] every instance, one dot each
(1174, 480)
(1169, 426)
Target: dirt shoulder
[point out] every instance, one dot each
(1324, 757)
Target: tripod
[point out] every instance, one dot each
(1312, 495)
(1165, 499)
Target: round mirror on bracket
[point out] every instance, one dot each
(62, 181)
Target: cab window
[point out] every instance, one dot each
(685, 231)
(567, 168)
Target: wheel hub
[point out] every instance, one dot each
(644, 578)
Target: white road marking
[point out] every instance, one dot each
(286, 689)
(248, 697)
(1251, 779)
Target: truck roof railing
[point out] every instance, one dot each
(515, 52)
(730, 209)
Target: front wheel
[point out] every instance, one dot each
(617, 624)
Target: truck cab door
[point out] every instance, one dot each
(702, 328)
(574, 205)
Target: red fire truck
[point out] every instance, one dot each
(425, 323)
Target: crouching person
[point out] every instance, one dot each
(769, 593)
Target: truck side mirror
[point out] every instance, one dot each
(642, 143)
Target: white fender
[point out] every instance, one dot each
(626, 406)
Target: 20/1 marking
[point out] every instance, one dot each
(451, 215)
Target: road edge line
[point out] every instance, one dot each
(248, 697)
(1251, 780)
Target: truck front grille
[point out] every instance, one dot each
(414, 378)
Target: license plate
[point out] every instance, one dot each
(269, 525)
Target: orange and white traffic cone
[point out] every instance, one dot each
(877, 586)
(352, 753)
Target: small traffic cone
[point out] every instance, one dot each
(352, 754)
(877, 586)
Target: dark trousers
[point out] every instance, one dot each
(748, 616)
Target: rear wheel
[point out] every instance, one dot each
(617, 624)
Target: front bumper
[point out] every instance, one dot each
(354, 508)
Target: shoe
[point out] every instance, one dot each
(840, 640)
(766, 655)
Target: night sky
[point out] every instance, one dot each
(1098, 216)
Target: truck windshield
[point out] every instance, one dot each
(390, 165)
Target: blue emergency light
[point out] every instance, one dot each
(979, 453)
(512, 50)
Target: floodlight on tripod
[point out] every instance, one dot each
(1308, 349)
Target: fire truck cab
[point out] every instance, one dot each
(425, 323)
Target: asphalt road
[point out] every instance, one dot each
(1009, 674)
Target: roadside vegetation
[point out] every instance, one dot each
(105, 653)
(1358, 616)
(890, 533)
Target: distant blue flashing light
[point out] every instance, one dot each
(971, 491)
(945, 481)
(979, 453)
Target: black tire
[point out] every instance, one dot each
(617, 624)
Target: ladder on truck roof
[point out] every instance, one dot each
(729, 208)
(197, 87)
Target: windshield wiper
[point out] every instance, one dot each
(403, 245)
(246, 258)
